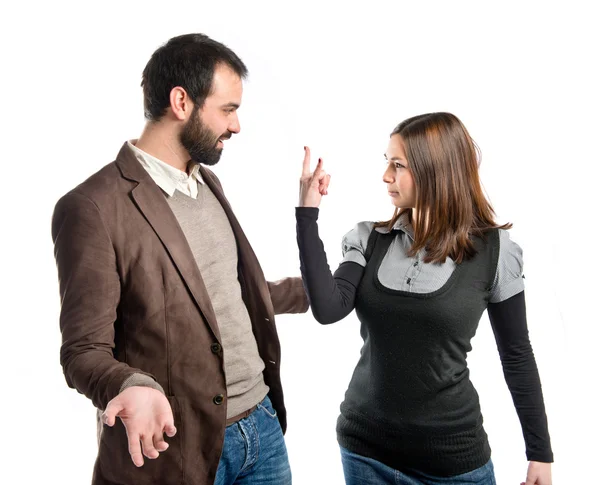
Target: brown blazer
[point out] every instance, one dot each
(133, 300)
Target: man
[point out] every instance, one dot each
(167, 321)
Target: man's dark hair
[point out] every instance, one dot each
(188, 61)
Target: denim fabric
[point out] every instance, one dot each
(254, 451)
(360, 470)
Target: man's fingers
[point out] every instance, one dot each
(306, 163)
(135, 449)
(159, 442)
(148, 447)
(170, 430)
(111, 412)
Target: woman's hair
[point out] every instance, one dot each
(450, 204)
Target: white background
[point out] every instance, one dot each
(523, 78)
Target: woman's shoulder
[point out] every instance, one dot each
(509, 271)
(508, 247)
(357, 237)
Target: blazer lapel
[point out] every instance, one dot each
(152, 203)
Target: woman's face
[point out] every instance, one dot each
(397, 176)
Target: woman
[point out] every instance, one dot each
(419, 284)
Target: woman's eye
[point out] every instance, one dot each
(399, 165)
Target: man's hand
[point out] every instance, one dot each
(538, 474)
(146, 414)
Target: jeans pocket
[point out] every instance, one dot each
(267, 407)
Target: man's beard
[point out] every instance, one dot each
(200, 141)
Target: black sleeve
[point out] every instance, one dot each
(509, 323)
(331, 297)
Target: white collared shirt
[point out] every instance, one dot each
(167, 177)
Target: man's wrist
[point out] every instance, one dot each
(141, 380)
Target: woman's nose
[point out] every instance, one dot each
(388, 176)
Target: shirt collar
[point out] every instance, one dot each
(402, 224)
(167, 177)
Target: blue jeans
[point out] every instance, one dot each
(366, 471)
(254, 451)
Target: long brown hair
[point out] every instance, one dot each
(450, 204)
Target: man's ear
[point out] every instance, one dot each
(181, 104)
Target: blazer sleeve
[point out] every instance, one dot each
(288, 295)
(90, 290)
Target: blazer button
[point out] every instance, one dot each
(218, 399)
(215, 348)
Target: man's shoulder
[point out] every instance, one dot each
(103, 186)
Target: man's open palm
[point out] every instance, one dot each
(146, 414)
